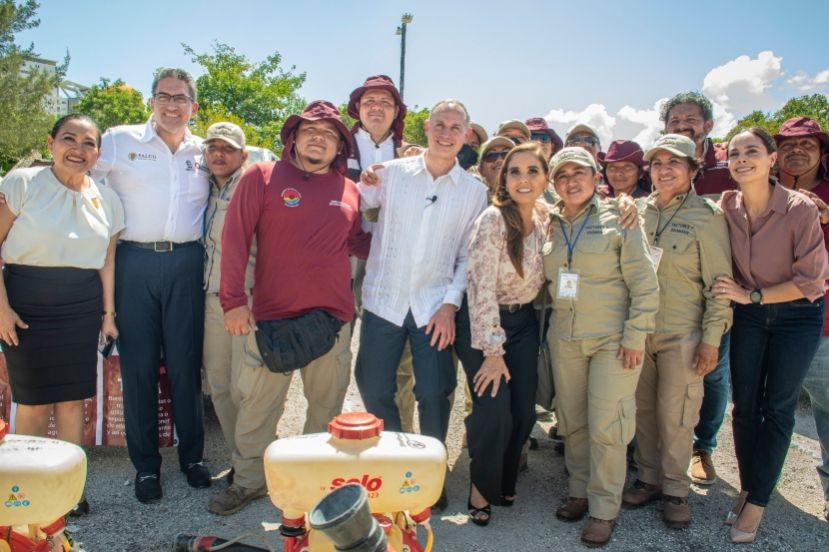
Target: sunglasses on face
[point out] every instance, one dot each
(540, 137)
(493, 156)
(588, 140)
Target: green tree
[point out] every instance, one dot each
(22, 92)
(815, 107)
(259, 95)
(413, 132)
(113, 103)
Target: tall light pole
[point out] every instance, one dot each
(405, 19)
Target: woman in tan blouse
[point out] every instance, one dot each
(58, 231)
(780, 268)
(497, 328)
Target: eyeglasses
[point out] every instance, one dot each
(540, 137)
(576, 140)
(178, 99)
(493, 156)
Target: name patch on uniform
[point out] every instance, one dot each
(291, 197)
(133, 156)
(335, 203)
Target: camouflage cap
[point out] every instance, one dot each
(579, 156)
(675, 143)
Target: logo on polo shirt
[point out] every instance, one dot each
(142, 156)
(291, 197)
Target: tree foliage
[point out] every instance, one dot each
(257, 96)
(815, 107)
(25, 119)
(113, 103)
(413, 132)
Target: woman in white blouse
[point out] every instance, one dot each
(497, 328)
(58, 231)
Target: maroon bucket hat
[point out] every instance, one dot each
(318, 110)
(801, 126)
(624, 150)
(539, 124)
(383, 83)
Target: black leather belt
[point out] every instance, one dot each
(159, 246)
(515, 307)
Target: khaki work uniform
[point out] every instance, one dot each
(262, 395)
(223, 353)
(617, 299)
(691, 232)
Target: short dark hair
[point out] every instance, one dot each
(763, 135)
(693, 97)
(180, 74)
(75, 117)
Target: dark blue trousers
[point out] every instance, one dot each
(381, 346)
(160, 303)
(772, 347)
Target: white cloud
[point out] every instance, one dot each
(804, 82)
(740, 85)
(649, 118)
(595, 115)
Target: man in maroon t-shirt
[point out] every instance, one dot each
(803, 164)
(305, 215)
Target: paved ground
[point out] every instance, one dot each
(793, 520)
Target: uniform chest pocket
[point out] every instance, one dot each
(681, 252)
(222, 204)
(595, 245)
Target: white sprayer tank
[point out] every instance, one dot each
(40, 479)
(399, 471)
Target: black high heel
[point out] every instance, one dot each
(479, 516)
(508, 501)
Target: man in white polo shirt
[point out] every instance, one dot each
(416, 270)
(156, 170)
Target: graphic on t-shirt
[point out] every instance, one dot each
(291, 197)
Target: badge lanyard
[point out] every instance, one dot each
(659, 216)
(571, 246)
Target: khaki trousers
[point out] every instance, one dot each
(263, 394)
(668, 400)
(596, 410)
(223, 357)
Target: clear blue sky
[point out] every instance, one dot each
(505, 59)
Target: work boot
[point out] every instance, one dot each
(702, 468)
(597, 531)
(675, 511)
(639, 494)
(233, 499)
(572, 510)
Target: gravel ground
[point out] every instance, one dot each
(793, 521)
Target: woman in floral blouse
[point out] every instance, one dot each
(497, 328)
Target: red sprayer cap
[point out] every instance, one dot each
(355, 425)
(4, 429)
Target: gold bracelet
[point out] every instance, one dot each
(111, 313)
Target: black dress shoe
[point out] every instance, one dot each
(442, 503)
(147, 487)
(81, 508)
(198, 476)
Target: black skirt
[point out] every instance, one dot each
(57, 356)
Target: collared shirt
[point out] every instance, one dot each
(419, 248)
(693, 236)
(371, 152)
(56, 226)
(214, 223)
(492, 279)
(164, 193)
(787, 245)
(618, 293)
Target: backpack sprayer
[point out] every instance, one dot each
(381, 484)
(40, 481)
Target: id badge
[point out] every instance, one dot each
(568, 284)
(656, 255)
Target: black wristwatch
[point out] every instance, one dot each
(756, 297)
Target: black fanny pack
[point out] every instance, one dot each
(290, 344)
